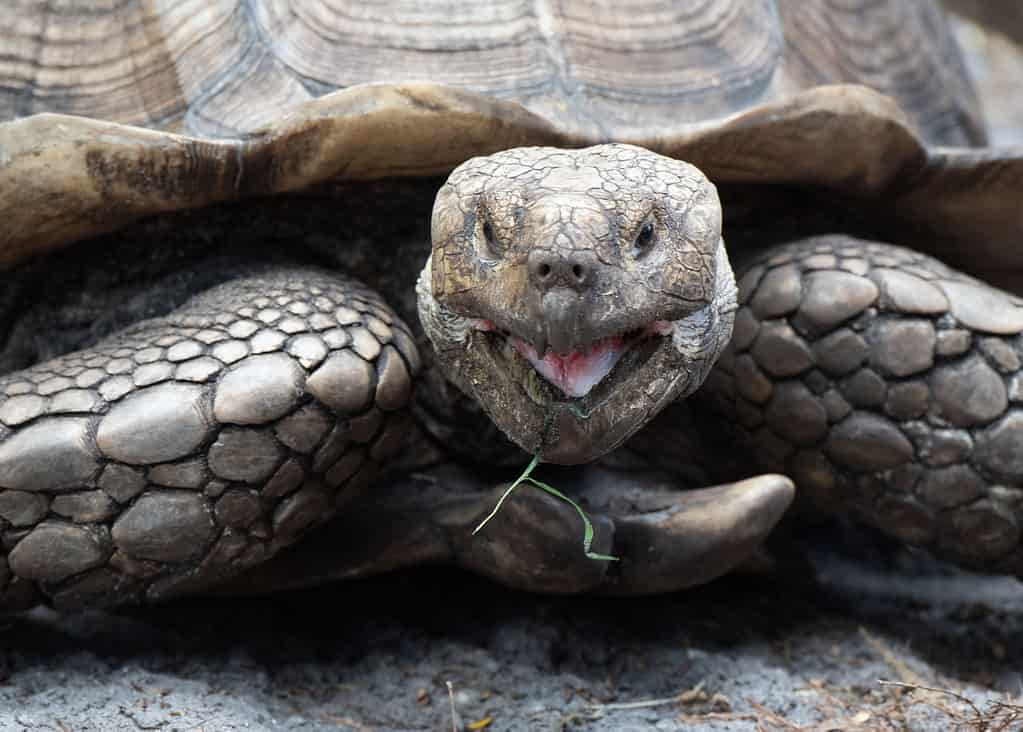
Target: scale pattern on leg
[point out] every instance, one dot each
(885, 382)
(195, 445)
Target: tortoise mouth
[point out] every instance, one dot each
(582, 377)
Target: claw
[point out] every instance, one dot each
(696, 536)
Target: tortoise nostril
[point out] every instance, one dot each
(549, 269)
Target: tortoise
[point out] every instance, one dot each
(215, 305)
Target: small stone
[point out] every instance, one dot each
(969, 392)
(983, 308)
(85, 508)
(20, 508)
(345, 383)
(55, 550)
(778, 294)
(259, 390)
(245, 454)
(166, 526)
(902, 347)
(121, 482)
(832, 297)
(53, 454)
(780, 352)
(867, 442)
(796, 414)
(906, 293)
(156, 424)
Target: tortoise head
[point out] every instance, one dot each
(575, 293)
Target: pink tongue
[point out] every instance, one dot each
(575, 373)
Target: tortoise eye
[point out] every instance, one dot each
(644, 240)
(493, 245)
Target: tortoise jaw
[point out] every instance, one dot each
(581, 371)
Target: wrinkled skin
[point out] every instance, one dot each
(578, 258)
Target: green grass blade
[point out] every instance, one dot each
(587, 525)
(518, 481)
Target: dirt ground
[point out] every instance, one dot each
(773, 653)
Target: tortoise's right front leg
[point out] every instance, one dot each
(189, 447)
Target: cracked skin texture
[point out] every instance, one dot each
(200, 447)
(587, 210)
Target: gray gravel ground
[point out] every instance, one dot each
(376, 655)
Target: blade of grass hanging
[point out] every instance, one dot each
(518, 481)
(587, 525)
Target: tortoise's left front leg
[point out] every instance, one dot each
(887, 384)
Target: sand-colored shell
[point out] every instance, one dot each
(181, 104)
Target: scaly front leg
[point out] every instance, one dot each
(192, 446)
(887, 384)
